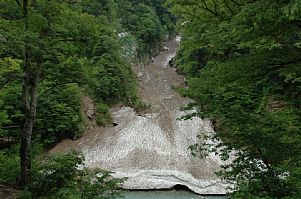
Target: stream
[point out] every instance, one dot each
(166, 195)
(151, 148)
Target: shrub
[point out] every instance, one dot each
(63, 176)
(9, 167)
(102, 114)
(59, 115)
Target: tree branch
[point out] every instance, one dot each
(18, 2)
(281, 63)
(208, 9)
(57, 84)
(228, 6)
(10, 127)
(238, 4)
(296, 23)
(80, 40)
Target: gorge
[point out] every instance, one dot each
(151, 148)
(71, 80)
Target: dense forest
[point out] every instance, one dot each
(52, 54)
(241, 58)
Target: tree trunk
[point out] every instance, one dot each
(30, 91)
(25, 147)
(27, 100)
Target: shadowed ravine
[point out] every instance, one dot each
(151, 149)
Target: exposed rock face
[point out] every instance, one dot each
(151, 149)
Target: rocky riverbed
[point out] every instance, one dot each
(151, 149)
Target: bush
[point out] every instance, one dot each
(62, 176)
(59, 115)
(102, 114)
(9, 167)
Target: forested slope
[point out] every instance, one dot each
(242, 60)
(53, 53)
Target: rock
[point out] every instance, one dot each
(90, 114)
(171, 62)
(169, 179)
(89, 107)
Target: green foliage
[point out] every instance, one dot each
(9, 171)
(3, 120)
(112, 76)
(78, 45)
(189, 60)
(73, 49)
(102, 114)
(243, 67)
(10, 70)
(144, 23)
(107, 44)
(59, 116)
(128, 47)
(63, 176)
(149, 21)
(10, 113)
(106, 10)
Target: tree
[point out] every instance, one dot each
(58, 176)
(29, 98)
(53, 53)
(243, 61)
(46, 28)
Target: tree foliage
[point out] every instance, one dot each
(59, 176)
(243, 63)
(149, 21)
(52, 53)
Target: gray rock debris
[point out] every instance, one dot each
(151, 149)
